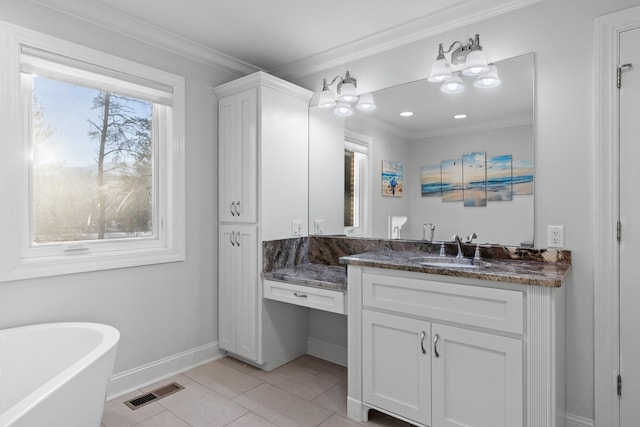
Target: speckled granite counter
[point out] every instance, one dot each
(321, 261)
(309, 274)
(540, 273)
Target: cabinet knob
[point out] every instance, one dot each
(435, 345)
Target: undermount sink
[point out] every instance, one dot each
(447, 262)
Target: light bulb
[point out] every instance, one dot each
(366, 103)
(343, 109)
(475, 64)
(453, 85)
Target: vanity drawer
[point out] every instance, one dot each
(497, 309)
(307, 296)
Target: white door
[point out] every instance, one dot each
(396, 372)
(476, 379)
(630, 222)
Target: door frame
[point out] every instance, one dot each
(606, 249)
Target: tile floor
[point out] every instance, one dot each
(226, 392)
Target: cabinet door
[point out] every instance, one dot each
(477, 379)
(238, 290)
(396, 373)
(238, 157)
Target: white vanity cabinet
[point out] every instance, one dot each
(263, 195)
(238, 157)
(444, 351)
(238, 288)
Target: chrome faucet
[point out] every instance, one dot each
(458, 241)
(428, 228)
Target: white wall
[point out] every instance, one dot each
(160, 310)
(561, 35)
(507, 222)
(384, 146)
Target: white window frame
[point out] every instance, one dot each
(361, 144)
(19, 258)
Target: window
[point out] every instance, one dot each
(94, 175)
(356, 184)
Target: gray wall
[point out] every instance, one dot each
(160, 310)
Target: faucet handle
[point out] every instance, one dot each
(471, 237)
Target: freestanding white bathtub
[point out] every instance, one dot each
(55, 374)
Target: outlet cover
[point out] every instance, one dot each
(555, 236)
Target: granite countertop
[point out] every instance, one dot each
(548, 274)
(332, 277)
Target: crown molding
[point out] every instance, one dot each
(419, 29)
(115, 20)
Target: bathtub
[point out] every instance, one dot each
(55, 374)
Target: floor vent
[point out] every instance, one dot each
(159, 393)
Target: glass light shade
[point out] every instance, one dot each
(343, 109)
(366, 103)
(488, 79)
(326, 99)
(475, 64)
(347, 93)
(453, 85)
(440, 71)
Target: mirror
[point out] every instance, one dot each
(497, 136)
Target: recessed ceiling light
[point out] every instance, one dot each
(460, 116)
(406, 113)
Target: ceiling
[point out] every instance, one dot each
(279, 36)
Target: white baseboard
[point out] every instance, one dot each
(327, 351)
(133, 379)
(576, 421)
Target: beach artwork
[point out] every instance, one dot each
(474, 179)
(522, 177)
(451, 172)
(391, 179)
(499, 178)
(430, 181)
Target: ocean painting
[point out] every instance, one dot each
(523, 177)
(391, 179)
(474, 179)
(430, 181)
(451, 172)
(499, 178)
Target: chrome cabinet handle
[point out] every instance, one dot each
(238, 208)
(232, 208)
(231, 237)
(238, 238)
(422, 336)
(435, 345)
(300, 295)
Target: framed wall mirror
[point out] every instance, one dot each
(495, 141)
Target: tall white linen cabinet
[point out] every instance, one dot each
(262, 195)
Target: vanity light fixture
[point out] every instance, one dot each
(346, 96)
(465, 59)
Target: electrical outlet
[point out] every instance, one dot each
(296, 228)
(555, 236)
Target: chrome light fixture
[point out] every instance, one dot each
(346, 96)
(465, 59)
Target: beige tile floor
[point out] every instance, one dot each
(226, 392)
